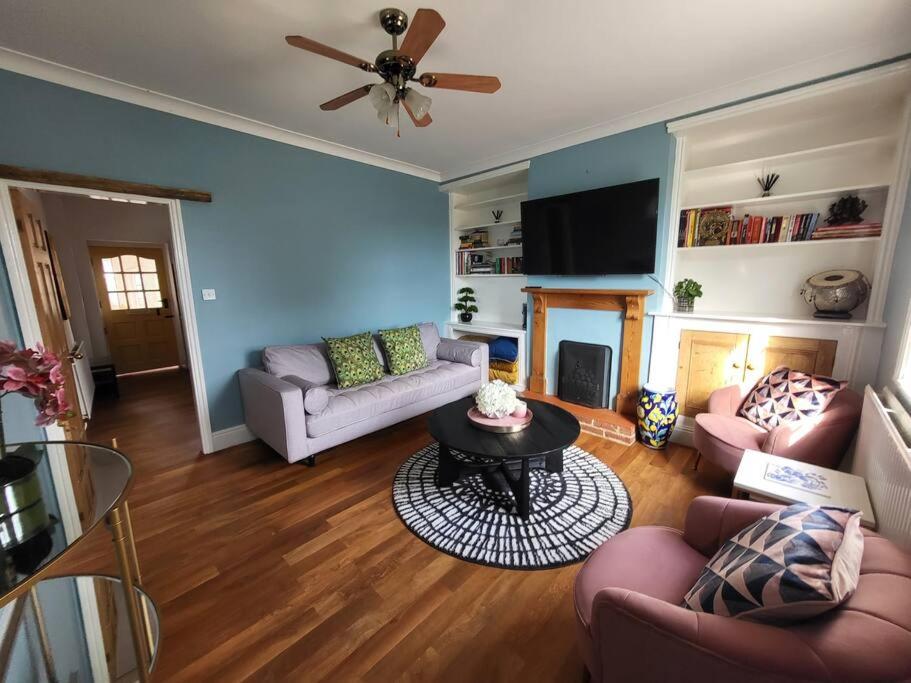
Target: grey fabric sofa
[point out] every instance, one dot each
(295, 406)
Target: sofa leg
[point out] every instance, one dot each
(310, 462)
(698, 458)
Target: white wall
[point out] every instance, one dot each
(75, 222)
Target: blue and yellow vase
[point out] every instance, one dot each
(657, 414)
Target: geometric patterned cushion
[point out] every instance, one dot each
(786, 395)
(793, 564)
(354, 359)
(404, 349)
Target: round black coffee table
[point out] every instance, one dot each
(505, 460)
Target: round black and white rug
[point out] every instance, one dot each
(573, 512)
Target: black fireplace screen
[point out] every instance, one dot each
(584, 374)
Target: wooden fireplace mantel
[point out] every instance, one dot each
(631, 302)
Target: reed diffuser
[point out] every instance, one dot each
(767, 183)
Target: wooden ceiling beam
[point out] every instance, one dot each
(102, 184)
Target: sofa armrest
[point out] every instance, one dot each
(475, 354)
(727, 401)
(710, 521)
(274, 411)
(638, 637)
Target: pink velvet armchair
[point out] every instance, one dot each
(631, 626)
(721, 435)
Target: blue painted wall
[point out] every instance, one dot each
(897, 300)
(639, 154)
(297, 244)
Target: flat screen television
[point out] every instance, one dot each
(611, 230)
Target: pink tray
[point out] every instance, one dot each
(502, 425)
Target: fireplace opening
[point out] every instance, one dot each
(583, 373)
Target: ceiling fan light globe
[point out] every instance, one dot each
(418, 103)
(382, 97)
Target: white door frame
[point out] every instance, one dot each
(28, 314)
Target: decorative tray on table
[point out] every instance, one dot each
(501, 425)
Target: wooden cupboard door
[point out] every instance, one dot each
(47, 291)
(816, 356)
(708, 361)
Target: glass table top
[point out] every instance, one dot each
(51, 495)
(74, 628)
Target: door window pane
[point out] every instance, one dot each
(130, 263)
(110, 265)
(136, 300)
(113, 282)
(149, 281)
(118, 301)
(133, 282)
(147, 265)
(153, 299)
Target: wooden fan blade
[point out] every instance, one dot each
(425, 27)
(347, 98)
(486, 84)
(330, 52)
(426, 121)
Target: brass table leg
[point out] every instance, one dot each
(121, 533)
(42, 635)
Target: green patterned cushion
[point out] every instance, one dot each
(404, 349)
(354, 359)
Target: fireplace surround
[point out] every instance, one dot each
(630, 302)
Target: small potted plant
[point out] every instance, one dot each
(685, 293)
(465, 304)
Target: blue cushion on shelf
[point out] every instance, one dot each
(504, 348)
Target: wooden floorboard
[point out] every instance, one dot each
(265, 571)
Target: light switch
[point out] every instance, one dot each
(208, 295)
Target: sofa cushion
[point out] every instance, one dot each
(347, 406)
(430, 338)
(354, 359)
(404, 349)
(316, 398)
(793, 564)
(786, 395)
(310, 362)
(458, 351)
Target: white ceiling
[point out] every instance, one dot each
(571, 71)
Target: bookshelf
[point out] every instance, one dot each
(471, 202)
(824, 145)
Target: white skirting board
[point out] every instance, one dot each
(232, 436)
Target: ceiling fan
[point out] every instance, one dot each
(398, 67)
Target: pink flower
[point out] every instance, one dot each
(36, 373)
(19, 380)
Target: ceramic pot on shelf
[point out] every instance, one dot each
(656, 415)
(465, 317)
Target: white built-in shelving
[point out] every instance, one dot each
(825, 142)
(499, 295)
(848, 136)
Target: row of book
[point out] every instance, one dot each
(476, 239)
(716, 226)
(480, 264)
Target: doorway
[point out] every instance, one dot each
(106, 290)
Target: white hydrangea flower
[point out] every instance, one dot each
(496, 399)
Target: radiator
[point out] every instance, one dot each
(882, 457)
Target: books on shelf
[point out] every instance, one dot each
(476, 239)
(481, 264)
(515, 237)
(717, 226)
(828, 232)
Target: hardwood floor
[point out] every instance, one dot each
(265, 571)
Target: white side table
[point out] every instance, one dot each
(766, 477)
